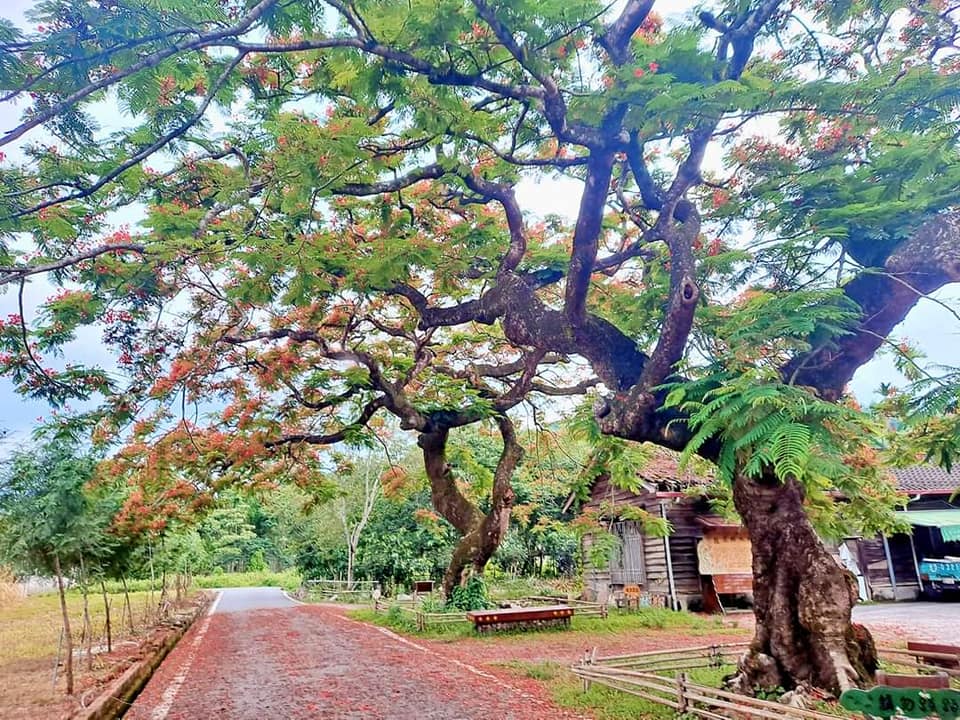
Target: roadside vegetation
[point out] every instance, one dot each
(33, 649)
(30, 628)
(615, 624)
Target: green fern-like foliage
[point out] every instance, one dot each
(927, 414)
(766, 426)
(619, 460)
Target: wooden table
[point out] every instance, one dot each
(513, 617)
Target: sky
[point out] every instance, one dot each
(930, 326)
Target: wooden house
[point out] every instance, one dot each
(706, 560)
(703, 560)
(889, 567)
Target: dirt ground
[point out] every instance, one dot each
(28, 640)
(313, 661)
(262, 656)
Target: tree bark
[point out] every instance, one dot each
(481, 534)
(802, 598)
(126, 604)
(351, 554)
(87, 635)
(106, 610)
(68, 663)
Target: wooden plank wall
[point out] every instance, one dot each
(683, 546)
(873, 563)
(682, 513)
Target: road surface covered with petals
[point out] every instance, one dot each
(260, 656)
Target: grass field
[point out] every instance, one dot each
(286, 579)
(605, 703)
(30, 627)
(615, 624)
(29, 638)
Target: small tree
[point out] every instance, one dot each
(46, 519)
(361, 484)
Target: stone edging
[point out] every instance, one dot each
(116, 697)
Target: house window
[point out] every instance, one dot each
(626, 565)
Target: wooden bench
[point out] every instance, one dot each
(484, 620)
(940, 681)
(928, 653)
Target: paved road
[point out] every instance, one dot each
(939, 621)
(248, 599)
(260, 656)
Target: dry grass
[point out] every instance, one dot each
(29, 637)
(30, 628)
(10, 591)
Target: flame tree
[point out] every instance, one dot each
(335, 228)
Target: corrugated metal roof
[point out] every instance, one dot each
(948, 521)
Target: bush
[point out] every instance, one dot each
(258, 562)
(472, 596)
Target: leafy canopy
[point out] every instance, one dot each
(330, 223)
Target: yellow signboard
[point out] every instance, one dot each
(724, 556)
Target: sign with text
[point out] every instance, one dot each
(724, 556)
(886, 702)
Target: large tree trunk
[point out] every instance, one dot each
(802, 598)
(475, 549)
(480, 534)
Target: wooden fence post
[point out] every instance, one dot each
(681, 693)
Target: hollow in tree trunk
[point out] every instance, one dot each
(802, 598)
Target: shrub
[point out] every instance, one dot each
(472, 596)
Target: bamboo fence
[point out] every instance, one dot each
(422, 619)
(685, 697)
(660, 677)
(342, 590)
(903, 658)
(581, 608)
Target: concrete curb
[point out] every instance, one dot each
(115, 699)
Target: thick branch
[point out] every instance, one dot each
(616, 39)
(446, 496)
(497, 520)
(650, 192)
(369, 410)
(505, 196)
(428, 172)
(682, 305)
(586, 235)
(926, 262)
